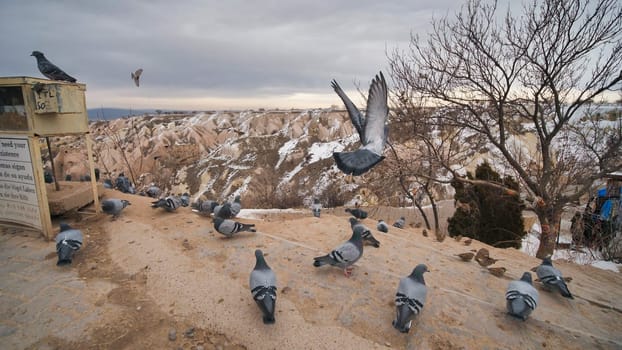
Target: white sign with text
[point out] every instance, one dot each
(18, 195)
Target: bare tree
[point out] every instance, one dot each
(535, 73)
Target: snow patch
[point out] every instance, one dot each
(257, 213)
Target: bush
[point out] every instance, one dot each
(486, 213)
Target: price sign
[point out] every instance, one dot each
(46, 99)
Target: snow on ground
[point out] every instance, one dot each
(258, 213)
(580, 256)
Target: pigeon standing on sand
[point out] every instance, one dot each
(50, 70)
(204, 207)
(365, 232)
(521, 297)
(169, 203)
(410, 297)
(153, 191)
(316, 207)
(263, 287)
(343, 256)
(68, 241)
(185, 199)
(400, 223)
(236, 206)
(357, 213)
(114, 206)
(136, 76)
(223, 211)
(382, 226)
(229, 227)
(371, 128)
(552, 278)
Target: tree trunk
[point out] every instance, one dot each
(425, 217)
(549, 225)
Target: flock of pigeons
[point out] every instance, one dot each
(521, 296)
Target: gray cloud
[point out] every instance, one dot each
(227, 49)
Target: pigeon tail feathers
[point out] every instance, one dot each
(357, 162)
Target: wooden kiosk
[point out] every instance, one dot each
(30, 109)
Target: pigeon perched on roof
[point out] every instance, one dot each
(343, 256)
(521, 297)
(136, 76)
(316, 207)
(410, 298)
(357, 213)
(382, 226)
(263, 287)
(68, 241)
(204, 207)
(153, 191)
(169, 203)
(552, 278)
(370, 127)
(400, 223)
(236, 206)
(223, 211)
(114, 206)
(365, 232)
(229, 227)
(50, 70)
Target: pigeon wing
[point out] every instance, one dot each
(355, 115)
(347, 253)
(136, 76)
(376, 115)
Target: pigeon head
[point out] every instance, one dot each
(261, 262)
(547, 261)
(37, 54)
(237, 199)
(218, 221)
(64, 227)
(316, 201)
(125, 202)
(526, 278)
(418, 272)
(353, 221)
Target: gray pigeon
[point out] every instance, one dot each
(114, 206)
(552, 278)
(153, 191)
(316, 207)
(223, 211)
(185, 199)
(50, 70)
(365, 232)
(136, 76)
(357, 213)
(400, 223)
(236, 206)
(343, 256)
(263, 287)
(410, 297)
(169, 203)
(229, 227)
(68, 241)
(382, 226)
(371, 128)
(204, 207)
(522, 297)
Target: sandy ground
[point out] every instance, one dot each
(172, 271)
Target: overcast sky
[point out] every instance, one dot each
(212, 54)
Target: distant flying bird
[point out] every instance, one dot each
(521, 297)
(136, 76)
(50, 70)
(263, 287)
(68, 241)
(114, 206)
(371, 128)
(343, 256)
(410, 298)
(552, 278)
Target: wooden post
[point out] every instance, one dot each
(44, 208)
(56, 185)
(89, 152)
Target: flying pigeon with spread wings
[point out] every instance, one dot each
(136, 76)
(370, 127)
